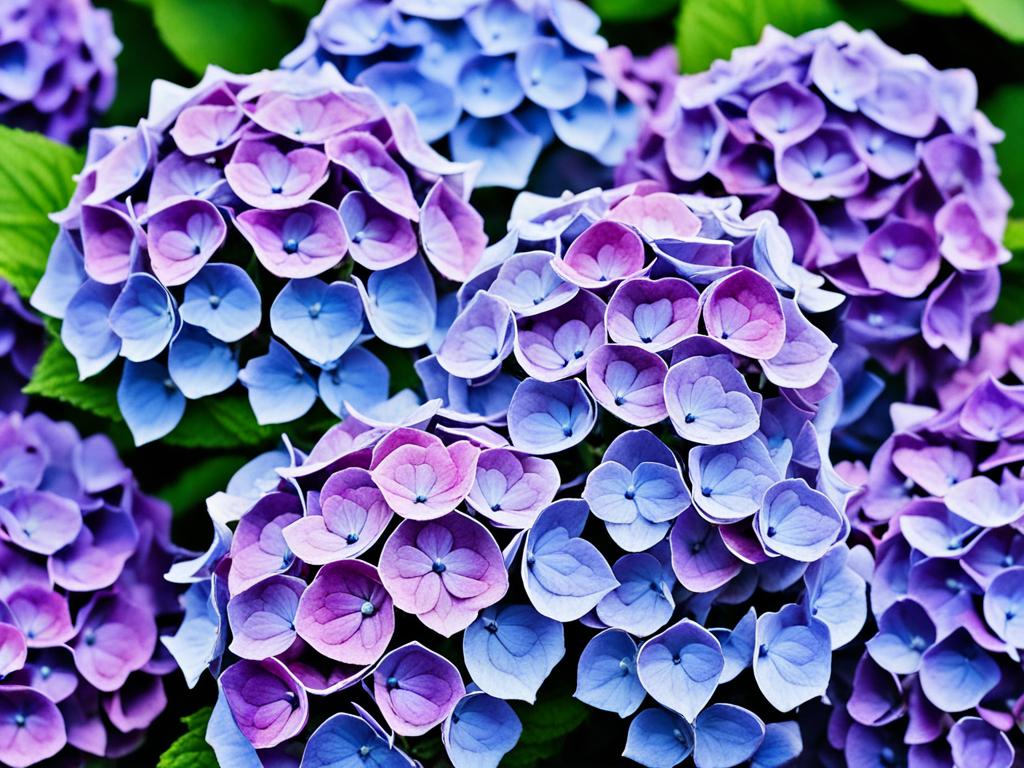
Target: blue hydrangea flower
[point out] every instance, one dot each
(499, 79)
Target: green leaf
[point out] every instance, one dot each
(1010, 307)
(1004, 109)
(239, 35)
(221, 422)
(308, 8)
(545, 726)
(938, 7)
(35, 180)
(1014, 239)
(191, 750)
(56, 376)
(711, 29)
(1006, 17)
(631, 10)
(200, 481)
(143, 59)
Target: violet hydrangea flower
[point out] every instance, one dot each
(941, 507)
(83, 600)
(880, 169)
(635, 489)
(59, 72)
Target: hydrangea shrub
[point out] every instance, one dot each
(499, 79)
(648, 330)
(57, 71)
(939, 682)
(83, 600)
(215, 243)
(880, 169)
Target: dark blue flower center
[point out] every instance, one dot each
(291, 245)
(392, 683)
(689, 418)
(438, 566)
(367, 609)
(352, 538)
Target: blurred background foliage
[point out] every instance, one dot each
(176, 39)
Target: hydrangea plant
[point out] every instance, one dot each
(57, 70)
(83, 600)
(257, 229)
(940, 680)
(627, 436)
(880, 169)
(21, 342)
(500, 79)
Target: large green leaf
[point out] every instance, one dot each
(56, 376)
(1010, 307)
(1006, 110)
(711, 29)
(308, 8)
(545, 726)
(200, 481)
(1003, 16)
(631, 10)
(35, 180)
(225, 421)
(191, 750)
(239, 35)
(938, 7)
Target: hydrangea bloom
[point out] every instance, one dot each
(21, 343)
(879, 168)
(940, 682)
(500, 79)
(57, 72)
(82, 596)
(622, 307)
(280, 180)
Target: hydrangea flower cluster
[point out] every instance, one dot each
(500, 79)
(940, 682)
(57, 70)
(21, 343)
(212, 244)
(82, 596)
(879, 167)
(654, 325)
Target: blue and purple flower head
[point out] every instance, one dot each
(656, 328)
(57, 70)
(213, 244)
(500, 79)
(879, 167)
(941, 681)
(83, 600)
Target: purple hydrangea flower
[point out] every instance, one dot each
(498, 80)
(941, 506)
(352, 219)
(59, 73)
(664, 462)
(83, 600)
(878, 166)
